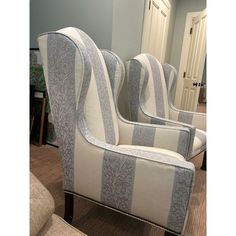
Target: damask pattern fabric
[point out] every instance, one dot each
(155, 105)
(94, 164)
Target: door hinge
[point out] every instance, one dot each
(184, 75)
(191, 30)
(149, 4)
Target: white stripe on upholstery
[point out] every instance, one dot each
(162, 140)
(199, 120)
(92, 111)
(173, 115)
(154, 150)
(43, 52)
(150, 103)
(164, 88)
(150, 191)
(126, 133)
(88, 165)
(199, 143)
(72, 32)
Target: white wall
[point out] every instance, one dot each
(127, 30)
(112, 24)
(170, 31)
(92, 16)
(182, 8)
(127, 27)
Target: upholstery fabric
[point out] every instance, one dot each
(88, 130)
(42, 220)
(152, 101)
(153, 150)
(178, 139)
(56, 226)
(41, 205)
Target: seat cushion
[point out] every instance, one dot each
(199, 143)
(57, 226)
(154, 150)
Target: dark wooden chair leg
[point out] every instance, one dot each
(169, 234)
(69, 207)
(204, 164)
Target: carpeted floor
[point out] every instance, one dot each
(95, 220)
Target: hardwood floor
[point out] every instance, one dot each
(99, 221)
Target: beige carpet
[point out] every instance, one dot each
(96, 220)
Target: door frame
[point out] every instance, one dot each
(184, 58)
(146, 27)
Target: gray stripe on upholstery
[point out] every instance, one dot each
(133, 88)
(157, 86)
(61, 84)
(143, 85)
(185, 117)
(84, 89)
(182, 145)
(143, 136)
(170, 78)
(157, 121)
(179, 204)
(99, 75)
(118, 180)
(111, 69)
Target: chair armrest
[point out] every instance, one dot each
(177, 139)
(196, 119)
(152, 186)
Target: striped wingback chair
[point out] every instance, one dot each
(177, 139)
(153, 185)
(152, 101)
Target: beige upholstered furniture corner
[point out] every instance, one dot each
(43, 221)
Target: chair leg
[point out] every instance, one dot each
(168, 234)
(204, 164)
(69, 207)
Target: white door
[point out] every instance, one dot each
(155, 30)
(192, 61)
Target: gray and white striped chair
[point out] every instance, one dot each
(151, 184)
(152, 101)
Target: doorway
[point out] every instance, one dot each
(192, 62)
(155, 28)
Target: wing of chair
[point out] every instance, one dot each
(152, 102)
(153, 185)
(177, 139)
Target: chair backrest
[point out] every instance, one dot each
(170, 74)
(154, 99)
(78, 85)
(116, 71)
